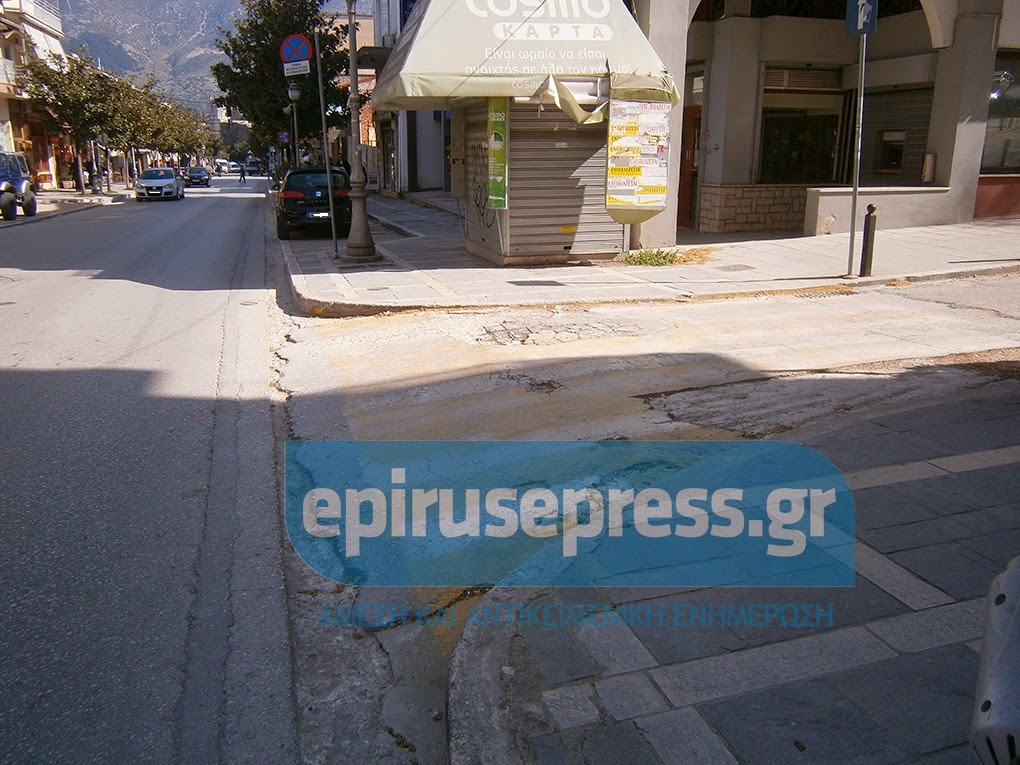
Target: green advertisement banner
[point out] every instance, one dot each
(497, 152)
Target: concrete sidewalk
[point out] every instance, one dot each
(426, 265)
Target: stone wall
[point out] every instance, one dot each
(765, 207)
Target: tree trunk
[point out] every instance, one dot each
(79, 171)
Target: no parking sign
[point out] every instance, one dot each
(296, 52)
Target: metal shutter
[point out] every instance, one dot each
(482, 229)
(803, 79)
(557, 186)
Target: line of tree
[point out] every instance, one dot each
(86, 102)
(252, 78)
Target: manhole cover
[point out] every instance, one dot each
(735, 267)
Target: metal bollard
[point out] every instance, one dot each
(868, 250)
(995, 727)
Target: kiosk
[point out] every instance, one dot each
(559, 120)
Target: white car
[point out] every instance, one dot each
(159, 183)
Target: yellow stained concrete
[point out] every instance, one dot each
(402, 382)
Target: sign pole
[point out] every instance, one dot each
(857, 153)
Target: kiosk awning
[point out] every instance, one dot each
(565, 52)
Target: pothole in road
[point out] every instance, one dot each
(529, 383)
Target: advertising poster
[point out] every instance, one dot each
(497, 153)
(638, 158)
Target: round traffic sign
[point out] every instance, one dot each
(295, 48)
(283, 136)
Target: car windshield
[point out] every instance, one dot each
(312, 181)
(157, 173)
(196, 171)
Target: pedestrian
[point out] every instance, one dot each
(242, 173)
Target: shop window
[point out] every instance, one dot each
(1002, 134)
(799, 137)
(695, 90)
(890, 151)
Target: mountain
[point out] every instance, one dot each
(174, 40)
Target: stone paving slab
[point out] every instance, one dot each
(774, 664)
(808, 721)
(682, 736)
(891, 681)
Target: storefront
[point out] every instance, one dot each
(770, 110)
(530, 89)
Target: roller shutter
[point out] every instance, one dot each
(557, 187)
(482, 229)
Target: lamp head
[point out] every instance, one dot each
(293, 91)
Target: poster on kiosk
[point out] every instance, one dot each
(637, 163)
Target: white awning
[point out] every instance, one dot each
(44, 43)
(548, 51)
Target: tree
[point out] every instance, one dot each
(136, 118)
(253, 80)
(76, 96)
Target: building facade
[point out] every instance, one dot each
(29, 25)
(764, 138)
(770, 107)
(412, 147)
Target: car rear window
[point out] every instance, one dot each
(311, 181)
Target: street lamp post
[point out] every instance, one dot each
(294, 93)
(360, 245)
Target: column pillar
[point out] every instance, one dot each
(665, 23)
(959, 113)
(731, 102)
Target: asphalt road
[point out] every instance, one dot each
(143, 613)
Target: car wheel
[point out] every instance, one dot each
(29, 205)
(281, 232)
(8, 205)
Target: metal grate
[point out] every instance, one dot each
(803, 79)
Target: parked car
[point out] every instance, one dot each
(234, 168)
(303, 201)
(16, 187)
(197, 176)
(159, 183)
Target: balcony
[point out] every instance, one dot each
(44, 13)
(6, 76)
